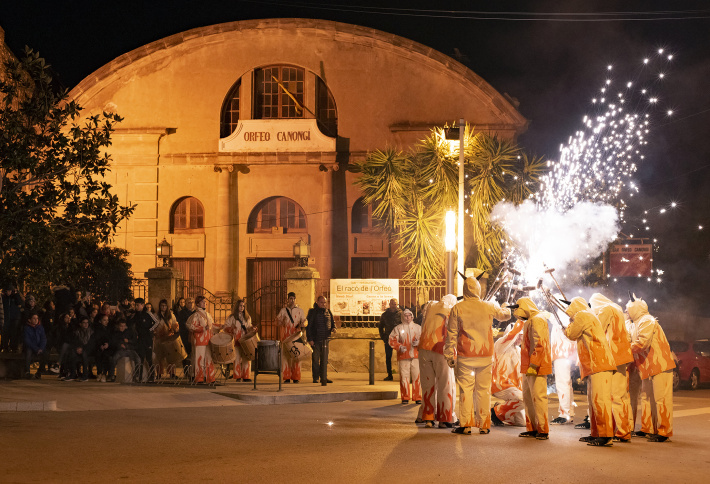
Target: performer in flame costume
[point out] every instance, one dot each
(291, 320)
(612, 318)
(564, 353)
(238, 324)
(200, 324)
(507, 383)
(469, 348)
(438, 380)
(535, 364)
(167, 326)
(596, 363)
(652, 354)
(404, 339)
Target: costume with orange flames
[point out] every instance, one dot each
(291, 321)
(652, 355)
(200, 324)
(238, 327)
(612, 318)
(507, 381)
(404, 339)
(469, 347)
(596, 363)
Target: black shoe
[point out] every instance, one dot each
(246, 379)
(328, 381)
(619, 439)
(584, 425)
(462, 430)
(657, 438)
(484, 431)
(529, 433)
(542, 436)
(561, 421)
(404, 402)
(588, 438)
(639, 433)
(494, 418)
(316, 381)
(295, 381)
(388, 378)
(418, 402)
(600, 442)
(287, 381)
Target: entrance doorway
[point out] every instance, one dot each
(266, 289)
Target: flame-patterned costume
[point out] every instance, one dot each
(469, 341)
(507, 383)
(654, 360)
(164, 331)
(200, 324)
(535, 364)
(288, 326)
(404, 340)
(438, 380)
(564, 354)
(238, 327)
(596, 363)
(611, 317)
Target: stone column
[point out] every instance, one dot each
(223, 246)
(302, 281)
(162, 284)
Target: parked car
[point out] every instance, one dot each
(693, 362)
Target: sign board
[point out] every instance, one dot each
(362, 297)
(276, 135)
(631, 260)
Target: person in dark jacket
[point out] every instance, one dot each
(82, 348)
(48, 322)
(388, 320)
(103, 352)
(123, 341)
(62, 338)
(142, 324)
(12, 312)
(320, 327)
(182, 316)
(35, 344)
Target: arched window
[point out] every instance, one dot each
(277, 212)
(326, 112)
(362, 221)
(278, 92)
(187, 217)
(230, 111)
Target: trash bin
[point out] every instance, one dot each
(267, 355)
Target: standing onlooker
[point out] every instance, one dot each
(12, 312)
(142, 325)
(388, 320)
(182, 316)
(35, 344)
(320, 327)
(291, 320)
(404, 339)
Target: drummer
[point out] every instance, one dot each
(200, 325)
(167, 327)
(291, 320)
(238, 324)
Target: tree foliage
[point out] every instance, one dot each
(53, 164)
(410, 192)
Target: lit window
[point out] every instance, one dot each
(279, 92)
(230, 111)
(277, 212)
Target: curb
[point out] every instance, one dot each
(46, 406)
(310, 397)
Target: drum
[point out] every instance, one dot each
(267, 356)
(173, 350)
(222, 345)
(248, 344)
(295, 349)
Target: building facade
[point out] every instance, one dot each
(237, 137)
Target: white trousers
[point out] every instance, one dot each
(657, 396)
(409, 372)
(512, 412)
(438, 387)
(473, 376)
(563, 382)
(535, 399)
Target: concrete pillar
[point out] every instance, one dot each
(302, 281)
(162, 284)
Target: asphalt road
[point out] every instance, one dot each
(373, 441)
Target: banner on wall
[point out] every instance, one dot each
(362, 297)
(631, 260)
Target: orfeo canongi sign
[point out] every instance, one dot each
(362, 297)
(270, 135)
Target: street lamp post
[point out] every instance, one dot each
(450, 245)
(460, 251)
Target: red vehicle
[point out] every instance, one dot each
(693, 362)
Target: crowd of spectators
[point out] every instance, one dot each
(71, 333)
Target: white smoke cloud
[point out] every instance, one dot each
(563, 241)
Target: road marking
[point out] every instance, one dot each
(691, 411)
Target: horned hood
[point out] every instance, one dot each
(472, 288)
(637, 309)
(576, 305)
(526, 308)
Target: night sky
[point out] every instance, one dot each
(551, 63)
